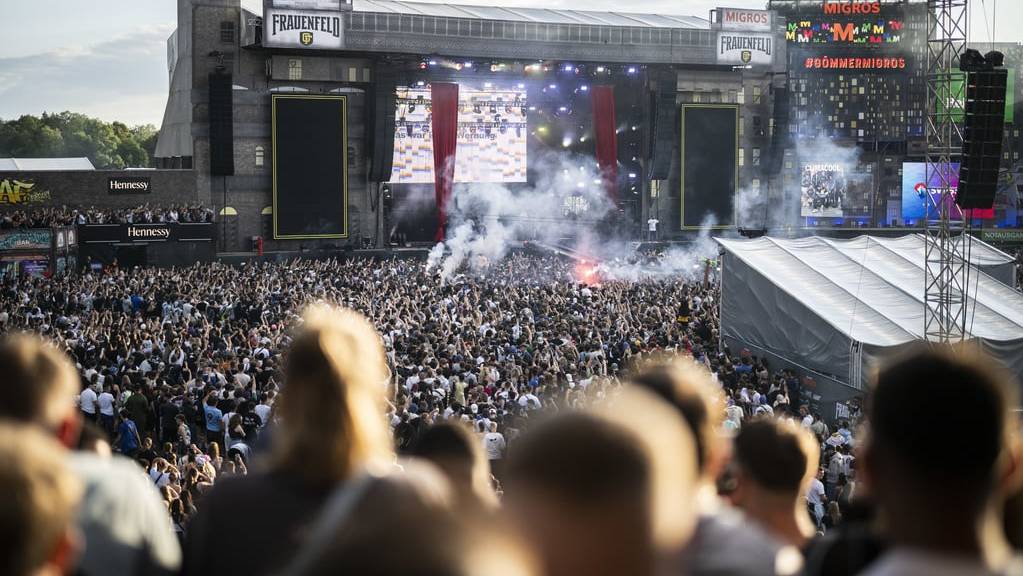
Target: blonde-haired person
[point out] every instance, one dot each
(330, 429)
(126, 527)
(37, 535)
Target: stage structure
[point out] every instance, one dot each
(946, 273)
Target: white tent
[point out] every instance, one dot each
(832, 307)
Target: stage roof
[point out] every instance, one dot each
(822, 302)
(44, 164)
(536, 15)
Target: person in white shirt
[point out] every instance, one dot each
(494, 446)
(942, 456)
(651, 226)
(817, 497)
(87, 403)
(264, 408)
(105, 402)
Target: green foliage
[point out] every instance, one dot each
(68, 134)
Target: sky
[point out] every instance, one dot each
(108, 58)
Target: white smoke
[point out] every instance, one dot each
(567, 200)
(764, 208)
(680, 261)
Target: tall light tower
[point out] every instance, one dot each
(945, 266)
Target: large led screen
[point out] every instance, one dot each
(310, 166)
(710, 142)
(824, 190)
(916, 187)
(491, 135)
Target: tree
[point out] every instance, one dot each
(69, 134)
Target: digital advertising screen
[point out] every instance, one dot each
(492, 131)
(710, 142)
(310, 166)
(824, 190)
(918, 192)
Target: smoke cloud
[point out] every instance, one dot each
(567, 200)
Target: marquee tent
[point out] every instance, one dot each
(834, 307)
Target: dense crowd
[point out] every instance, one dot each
(143, 214)
(542, 425)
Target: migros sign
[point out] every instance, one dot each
(851, 7)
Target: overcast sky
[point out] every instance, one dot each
(107, 58)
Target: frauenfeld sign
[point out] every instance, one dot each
(745, 48)
(303, 29)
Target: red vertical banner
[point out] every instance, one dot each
(605, 126)
(445, 141)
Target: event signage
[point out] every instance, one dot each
(142, 233)
(33, 239)
(955, 99)
(851, 7)
(872, 63)
(148, 232)
(303, 29)
(745, 48)
(13, 191)
(744, 20)
(129, 185)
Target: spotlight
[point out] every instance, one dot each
(600, 69)
(420, 83)
(553, 86)
(632, 174)
(566, 142)
(521, 85)
(467, 64)
(584, 88)
(569, 68)
(562, 108)
(487, 84)
(632, 70)
(433, 62)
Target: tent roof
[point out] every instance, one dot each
(44, 164)
(541, 15)
(872, 289)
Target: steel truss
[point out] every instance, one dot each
(945, 270)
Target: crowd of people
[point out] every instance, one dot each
(143, 214)
(366, 415)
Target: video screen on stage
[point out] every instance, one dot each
(919, 191)
(709, 164)
(310, 166)
(492, 131)
(824, 190)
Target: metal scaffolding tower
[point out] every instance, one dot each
(945, 266)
